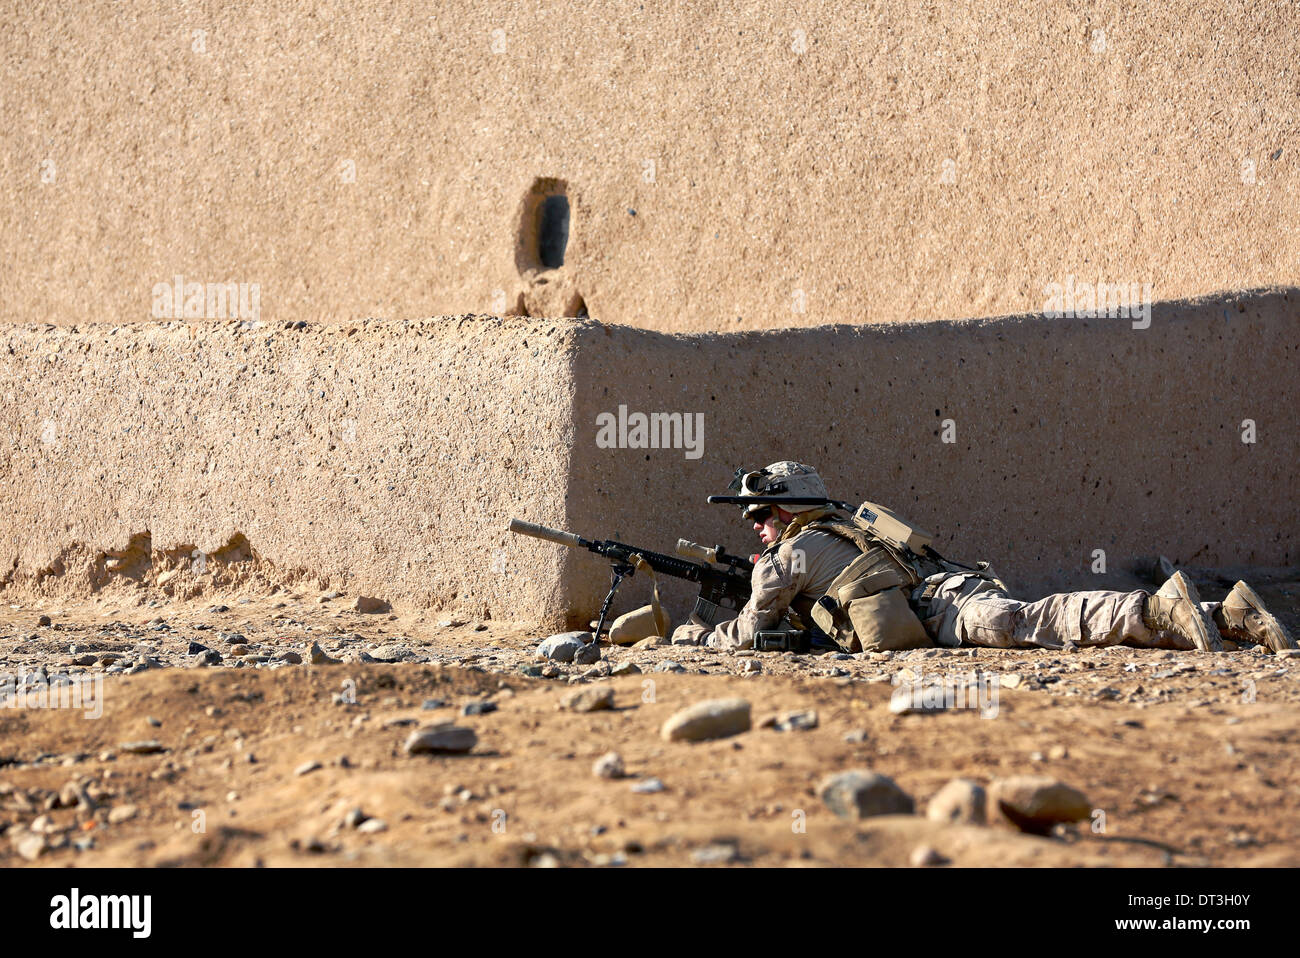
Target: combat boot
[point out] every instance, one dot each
(1243, 617)
(1176, 607)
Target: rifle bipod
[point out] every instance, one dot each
(620, 570)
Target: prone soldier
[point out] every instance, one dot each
(823, 572)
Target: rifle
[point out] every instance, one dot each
(723, 591)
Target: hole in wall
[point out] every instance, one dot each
(544, 221)
(553, 231)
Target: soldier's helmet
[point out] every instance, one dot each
(784, 478)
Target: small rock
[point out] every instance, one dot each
(961, 801)
(372, 825)
(862, 794)
(924, 856)
(30, 845)
(562, 647)
(857, 736)
(651, 642)
(717, 854)
(293, 658)
(122, 813)
(625, 668)
(478, 708)
(42, 621)
(1058, 752)
(238, 651)
(369, 604)
(307, 768)
(715, 718)
(354, 817)
(795, 721)
(648, 786)
(316, 655)
(1035, 803)
(430, 704)
(390, 653)
(750, 666)
(609, 765)
(588, 654)
(589, 699)
(149, 747)
(441, 738)
(668, 665)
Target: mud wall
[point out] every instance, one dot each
(728, 166)
(377, 459)
(387, 458)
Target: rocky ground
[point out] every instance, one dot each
(287, 728)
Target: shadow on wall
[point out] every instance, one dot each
(545, 218)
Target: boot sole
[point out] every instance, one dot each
(1208, 640)
(1278, 636)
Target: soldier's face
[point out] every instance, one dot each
(769, 530)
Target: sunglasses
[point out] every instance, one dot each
(760, 515)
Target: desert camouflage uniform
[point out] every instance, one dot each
(969, 610)
(792, 573)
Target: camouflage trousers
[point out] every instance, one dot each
(970, 610)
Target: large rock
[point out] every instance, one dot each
(441, 738)
(589, 699)
(862, 794)
(961, 801)
(563, 646)
(715, 718)
(369, 604)
(1034, 803)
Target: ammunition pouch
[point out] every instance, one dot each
(866, 607)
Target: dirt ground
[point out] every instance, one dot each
(1185, 758)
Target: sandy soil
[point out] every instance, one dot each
(1186, 756)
